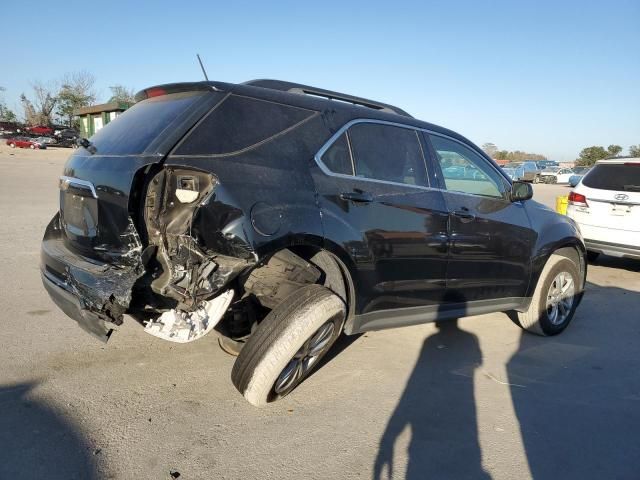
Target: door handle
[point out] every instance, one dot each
(358, 197)
(464, 215)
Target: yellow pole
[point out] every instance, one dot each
(561, 204)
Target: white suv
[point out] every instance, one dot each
(606, 206)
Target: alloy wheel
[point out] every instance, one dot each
(560, 298)
(304, 359)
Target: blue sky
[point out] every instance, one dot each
(547, 77)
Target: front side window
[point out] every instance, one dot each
(466, 171)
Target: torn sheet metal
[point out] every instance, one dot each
(182, 327)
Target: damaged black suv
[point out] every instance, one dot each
(281, 215)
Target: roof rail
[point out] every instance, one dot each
(328, 94)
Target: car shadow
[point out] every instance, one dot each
(628, 264)
(36, 442)
(439, 407)
(576, 397)
(579, 401)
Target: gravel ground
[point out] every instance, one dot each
(476, 399)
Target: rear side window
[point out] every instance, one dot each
(389, 153)
(239, 123)
(338, 158)
(133, 131)
(621, 177)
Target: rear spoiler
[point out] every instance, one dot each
(169, 88)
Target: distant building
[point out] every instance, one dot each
(95, 117)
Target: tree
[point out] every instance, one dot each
(614, 150)
(590, 155)
(490, 149)
(634, 150)
(6, 115)
(77, 91)
(39, 111)
(122, 94)
(502, 155)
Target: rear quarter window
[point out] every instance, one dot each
(135, 129)
(621, 177)
(239, 123)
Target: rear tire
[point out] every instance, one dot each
(592, 256)
(281, 352)
(542, 317)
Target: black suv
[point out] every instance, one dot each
(282, 215)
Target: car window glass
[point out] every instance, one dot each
(338, 158)
(386, 152)
(464, 170)
(239, 123)
(612, 176)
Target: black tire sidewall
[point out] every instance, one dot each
(545, 324)
(338, 321)
(292, 314)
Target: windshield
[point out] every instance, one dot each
(513, 165)
(616, 176)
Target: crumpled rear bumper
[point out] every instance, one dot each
(94, 294)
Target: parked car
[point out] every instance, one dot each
(45, 140)
(606, 207)
(24, 142)
(578, 173)
(272, 213)
(67, 133)
(542, 164)
(39, 130)
(9, 128)
(523, 171)
(556, 175)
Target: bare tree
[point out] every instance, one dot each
(122, 94)
(39, 109)
(490, 149)
(76, 91)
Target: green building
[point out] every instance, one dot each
(95, 117)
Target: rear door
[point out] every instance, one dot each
(377, 204)
(98, 191)
(491, 237)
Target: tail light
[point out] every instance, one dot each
(577, 199)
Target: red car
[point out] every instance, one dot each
(40, 130)
(22, 142)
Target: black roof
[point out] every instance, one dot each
(326, 94)
(309, 97)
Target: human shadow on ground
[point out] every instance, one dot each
(439, 407)
(36, 442)
(578, 394)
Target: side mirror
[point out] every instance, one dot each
(521, 191)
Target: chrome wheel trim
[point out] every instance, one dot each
(304, 359)
(560, 298)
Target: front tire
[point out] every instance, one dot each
(12, 145)
(555, 299)
(288, 344)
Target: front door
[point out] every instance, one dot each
(491, 237)
(377, 206)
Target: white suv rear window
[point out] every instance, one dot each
(614, 176)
